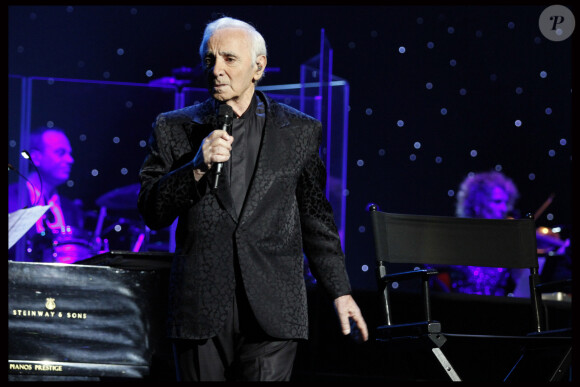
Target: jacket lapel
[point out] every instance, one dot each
(268, 158)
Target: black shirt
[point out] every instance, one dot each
(247, 132)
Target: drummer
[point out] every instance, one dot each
(51, 154)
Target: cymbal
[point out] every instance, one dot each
(123, 198)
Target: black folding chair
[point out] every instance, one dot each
(440, 240)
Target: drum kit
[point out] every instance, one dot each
(117, 226)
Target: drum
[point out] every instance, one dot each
(123, 234)
(71, 245)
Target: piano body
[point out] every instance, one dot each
(100, 319)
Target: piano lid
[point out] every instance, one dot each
(101, 316)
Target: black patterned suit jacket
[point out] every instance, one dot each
(286, 215)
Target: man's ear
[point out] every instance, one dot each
(35, 156)
(261, 62)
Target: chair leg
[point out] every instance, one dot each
(527, 362)
(561, 369)
(446, 364)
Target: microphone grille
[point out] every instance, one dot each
(225, 110)
(225, 113)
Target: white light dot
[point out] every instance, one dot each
(120, 51)
(402, 50)
(95, 172)
(518, 123)
(551, 153)
(543, 74)
(532, 176)
(563, 141)
(548, 110)
(70, 183)
(118, 228)
(369, 111)
(124, 171)
(473, 153)
(360, 163)
(142, 143)
(450, 193)
(428, 85)
(149, 73)
(550, 216)
(395, 285)
(116, 140)
(498, 167)
(364, 268)
(438, 159)
(400, 123)
(443, 111)
(412, 157)
(417, 145)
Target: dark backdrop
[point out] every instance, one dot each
(436, 92)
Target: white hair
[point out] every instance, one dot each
(257, 43)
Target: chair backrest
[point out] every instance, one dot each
(425, 239)
(444, 240)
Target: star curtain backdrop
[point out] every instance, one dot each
(436, 92)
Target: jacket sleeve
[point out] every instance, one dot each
(321, 241)
(168, 186)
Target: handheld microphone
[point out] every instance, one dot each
(225, 119)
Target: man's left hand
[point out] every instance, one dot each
(347, 311)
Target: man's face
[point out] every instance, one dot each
(54, 161)
(230, 67)
(497, 206)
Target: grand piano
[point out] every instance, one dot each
(99, 319)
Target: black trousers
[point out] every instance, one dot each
(241, 352)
